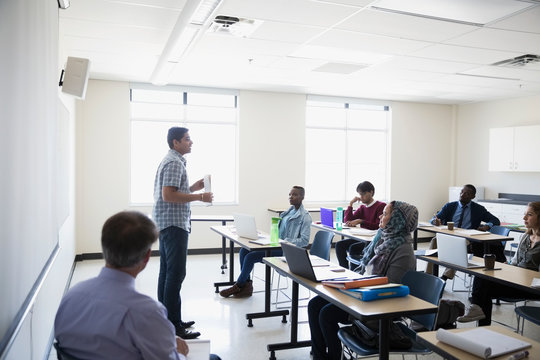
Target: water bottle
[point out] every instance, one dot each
(274, 231)
(339, 219)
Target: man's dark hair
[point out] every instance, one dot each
(301, 189)
(365, 186)
(126, 238)
(175, 133)
(471, 187)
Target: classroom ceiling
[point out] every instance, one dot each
(435, 51)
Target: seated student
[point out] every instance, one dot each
(105, 317)
(527, 256)
(294, 227)
(389, 254)
(367, 216)
(467, 214)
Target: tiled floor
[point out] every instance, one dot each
(223, 320)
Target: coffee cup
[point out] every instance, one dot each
(450, 225)
(489, 261)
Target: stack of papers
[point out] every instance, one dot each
(482, 342)
(471, 232)
(362, 231)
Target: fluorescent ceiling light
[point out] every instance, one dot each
(472, 12)
(339, 55)
(195, 15)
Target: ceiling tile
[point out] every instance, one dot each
(527, 21)
(464, 54)
(403, 26)
(504, 40)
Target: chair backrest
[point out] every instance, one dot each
(321, 244)
(61, 354)
(426, 287)
(499, 230)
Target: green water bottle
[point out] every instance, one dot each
(339, 219)
(274, 231)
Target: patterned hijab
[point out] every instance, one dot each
(403, 220)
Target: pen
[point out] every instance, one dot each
(519, 355)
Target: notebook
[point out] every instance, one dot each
(453, 250)
(300, 264)
(246, 227)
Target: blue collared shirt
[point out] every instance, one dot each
(296, 227)
(171, 172)
(106, 318)
(466, 223)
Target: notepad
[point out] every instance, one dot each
(482, 342)
(199, 349)
(535, 283)
(362, 231)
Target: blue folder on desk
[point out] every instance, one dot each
(377, 294)
(327, 217)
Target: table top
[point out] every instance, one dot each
(449, 352)
(349, 233)
(489, 237)
(505, 274)
(229, 233)
(385, 308)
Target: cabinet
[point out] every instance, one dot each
(514, 148)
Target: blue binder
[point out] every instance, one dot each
(377, 294)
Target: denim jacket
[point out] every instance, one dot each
(298, 227)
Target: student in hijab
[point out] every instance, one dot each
(389, 254)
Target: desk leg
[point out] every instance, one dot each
(223, 251)
(294, 343)
(231, 268)
(384, 340)
(267, 293)
(415, 239)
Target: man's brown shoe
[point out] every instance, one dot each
(230, 291)
(246, 290)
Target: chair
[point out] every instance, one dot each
(422, 285)
(504, 231)
(322, 242)
(61, 354)
(530, 313)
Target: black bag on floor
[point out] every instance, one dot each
(367, 332)
(449, 311)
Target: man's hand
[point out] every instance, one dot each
(354, 200)
(207, 197)
(483, 228)
(198, 185)
(181, 346)
(354, 222)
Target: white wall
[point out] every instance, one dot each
(271, 158)
(474, 122)
(32, 218)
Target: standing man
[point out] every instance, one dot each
(172, 197)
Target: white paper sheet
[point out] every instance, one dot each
(199, 349)
(208, 185)
(482, 342)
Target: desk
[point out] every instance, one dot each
(515, 276)
(226, 232)
(449, 352)
(486, 239)
(223, 219)
(343, 233)
(384, 310)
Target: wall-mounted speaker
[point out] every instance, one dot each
(76, 77)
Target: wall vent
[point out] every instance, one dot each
(519, 61)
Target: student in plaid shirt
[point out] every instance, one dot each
(172, 214)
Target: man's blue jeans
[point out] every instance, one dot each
(173, 243)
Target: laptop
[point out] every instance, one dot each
(299, 263)
(453, 250)
(245, 226)
(327, 218)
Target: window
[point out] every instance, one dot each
(211, 117)
(346, 142)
